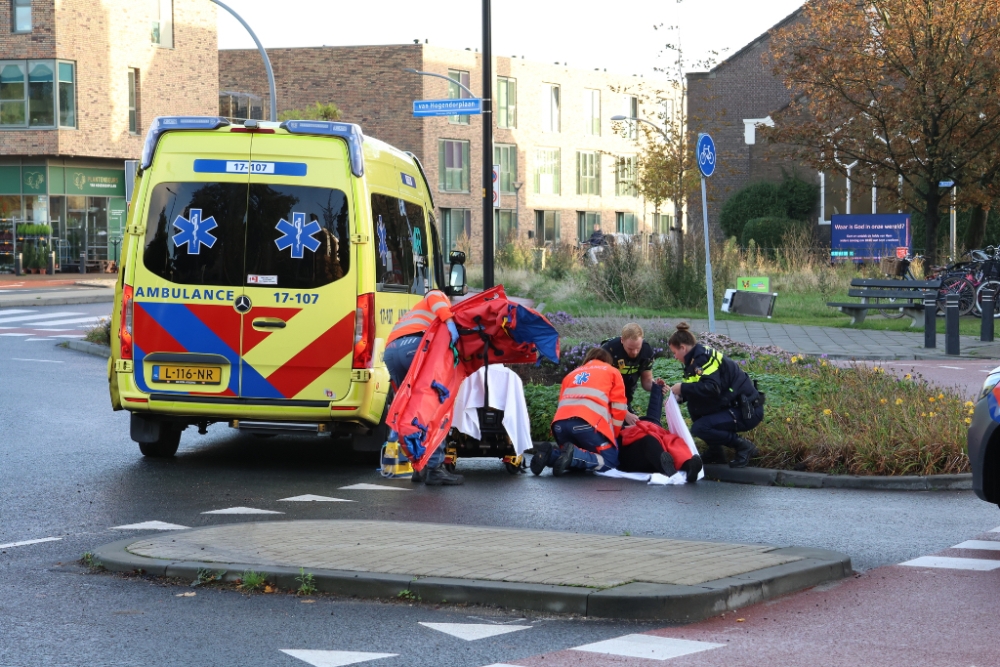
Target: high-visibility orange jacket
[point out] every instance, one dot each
(594, 392)
(418, 319)
(672, 444)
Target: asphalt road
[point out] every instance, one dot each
(68, 470)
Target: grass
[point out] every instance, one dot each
(251, 582)
(307, 583)
(89, 561)
(100, 333)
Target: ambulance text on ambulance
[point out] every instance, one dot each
(182, 293)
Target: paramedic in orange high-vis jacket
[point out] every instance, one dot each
(588, 419)
(400, 348)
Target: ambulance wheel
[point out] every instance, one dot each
(166, 445)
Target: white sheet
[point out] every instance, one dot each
(677, 426)
(506, 393)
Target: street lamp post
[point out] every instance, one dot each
(263, 55)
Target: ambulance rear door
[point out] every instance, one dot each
(299, 293)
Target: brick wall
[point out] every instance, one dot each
(105, 39)
(741, 87)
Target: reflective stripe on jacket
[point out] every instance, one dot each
(419, 318)
(713, 382)
(595, 393)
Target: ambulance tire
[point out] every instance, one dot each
(166, 445)
(374, 439)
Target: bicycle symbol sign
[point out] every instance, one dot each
(705, 151)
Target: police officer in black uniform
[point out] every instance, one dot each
(721, 398)
(633, 358)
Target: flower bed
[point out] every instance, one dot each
(823, 417)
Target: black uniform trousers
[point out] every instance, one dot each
(720, 429)
(643, 455)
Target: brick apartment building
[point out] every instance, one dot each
(563, 165)
(80, 82)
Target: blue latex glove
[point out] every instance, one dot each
(453, 330)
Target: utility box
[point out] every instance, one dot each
(741, 302)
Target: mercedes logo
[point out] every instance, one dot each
(243, 304)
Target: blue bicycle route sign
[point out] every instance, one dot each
(463, 107)
(705, 152)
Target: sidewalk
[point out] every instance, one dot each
(36, 290)
(844, 343)
(594, 575)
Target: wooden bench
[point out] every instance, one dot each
(905, 296)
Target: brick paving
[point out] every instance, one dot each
(492, 554)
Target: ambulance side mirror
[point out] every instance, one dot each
(456, 278)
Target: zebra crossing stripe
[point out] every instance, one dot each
(43, 316)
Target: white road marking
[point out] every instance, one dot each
(76, 320)
(242, 510)
(502, 664)
(953, 368)
(28, 340)
(43, 316)
(27, 542)
(42, 361)
(4, 312)
(995, 530)
(473, 631)
(67, 336)
(647, 646)
(982, 545)
(371, 487)
(310, 498)
(151, 525)
(943, 562)
(14, 334)
(334, 658)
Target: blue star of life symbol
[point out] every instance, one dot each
(581, 378)
(383, 247)
(297, 235)
(195, 231)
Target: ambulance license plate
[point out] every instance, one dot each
(187, 374)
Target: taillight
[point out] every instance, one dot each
(364, 331)
(125, 325)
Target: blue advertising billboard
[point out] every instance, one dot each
(863, 238)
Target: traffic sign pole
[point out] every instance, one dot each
(706, 157)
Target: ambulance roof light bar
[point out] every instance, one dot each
(325, 128)
(165, 124)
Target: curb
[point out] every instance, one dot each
(88, 348)
(58, 301)
(819, 480)
(675, 603)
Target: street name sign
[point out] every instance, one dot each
(466, 107)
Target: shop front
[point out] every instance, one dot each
(84, 205)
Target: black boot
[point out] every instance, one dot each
(441, 477)
(692, 467)
(667, 466)
(745, 450)
(543, 451)
(418, 476)
(562, 464)
(715, 455)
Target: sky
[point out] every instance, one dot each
(618, 36)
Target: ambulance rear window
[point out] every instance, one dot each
(401, 246)
(235, 234)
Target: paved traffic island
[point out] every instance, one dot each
(607, 576)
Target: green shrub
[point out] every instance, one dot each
(791, 198)
(515, 254)
(768, 233)
(561, 262)
(317, 111)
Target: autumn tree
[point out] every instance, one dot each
(908, 89)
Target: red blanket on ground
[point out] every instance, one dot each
(672, 444)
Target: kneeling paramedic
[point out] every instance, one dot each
(588, 419)
(401, 346)
(648, 447)
(721, 398)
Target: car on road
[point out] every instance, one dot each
(984, 440)
(263, 268)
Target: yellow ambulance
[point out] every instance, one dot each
(263, 267)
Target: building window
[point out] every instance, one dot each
(588, 173)
(505, 155)
(133, 117)
(592, 112)
(624, 222)
(550, 108)
(29, 96)
(162, 30)
(630, 129)
(548, 164)
(455, 223)
(546, 227)
(453, 165)
(668, 111)
(662, 223)
(21, 16)
(456, 92)
(585, 222)
(240, 106)
(506, 107)
(625, 177)
(504, 226)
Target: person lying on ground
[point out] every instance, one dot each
(648, 447)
